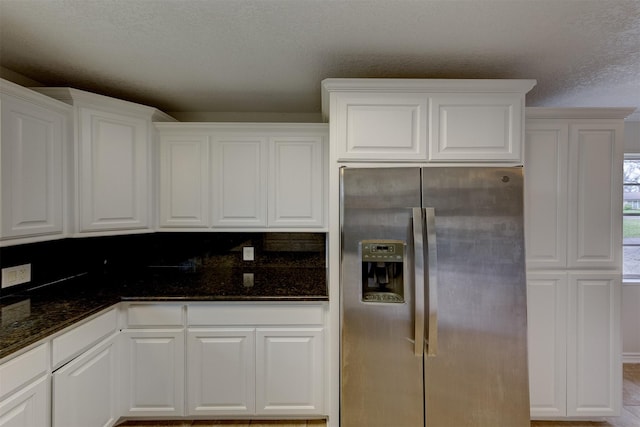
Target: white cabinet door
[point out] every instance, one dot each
(289, 371)
(380, 126)
(595, 203)
(594, 359)
(113, 173)
(184, 181)
(85, 389)
(29, 407)
(297, 182)
(239, 181)
(153, 372)
(221, 371)
(547, 335)
(546, 194)
(475, 127)
(33, 139)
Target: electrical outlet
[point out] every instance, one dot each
(247, 280)
(248, 254)
(16, 275)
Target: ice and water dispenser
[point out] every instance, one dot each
(382, 270)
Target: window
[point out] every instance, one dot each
(631, 218)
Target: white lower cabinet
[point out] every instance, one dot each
(255, 359)
(575, 366)
(28, 407)
(153, 360)
(153, 372)
(234, 360)
(289, 369)
(85, 389)
(25, 384)
(547, 335)
(594, 371)
(221, 371)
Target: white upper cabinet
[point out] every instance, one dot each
(237, 176)
(239, 181)
(573, 188)
(595, 202)
(476, 127)
(297, 179)
(434, 120)
(113, 169)
(113, 172)
(546, 193)
(380, 126)
(184, 181)
(35, 141)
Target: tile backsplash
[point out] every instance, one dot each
(59, 259)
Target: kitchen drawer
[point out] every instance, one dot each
(78, 339)
(20, 370)
(154, 315)
(254, 314)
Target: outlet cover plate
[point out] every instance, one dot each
(16, 275)
(248, 254)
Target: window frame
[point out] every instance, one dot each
(629, 277)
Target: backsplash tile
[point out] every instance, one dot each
(182, 252)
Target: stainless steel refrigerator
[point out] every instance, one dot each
(433, 298)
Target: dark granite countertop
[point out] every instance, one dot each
(28, 317)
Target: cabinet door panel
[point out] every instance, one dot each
(221, 371)
(596, 204)
(381, 126)
(475, 127)
(239, 182)
(29, 407)
(546, 192)
(153, 372)
(594, 368)
(547, 335)
(297, 182)
(184, 181)
(113, 174)
(289, 371)
(32, 169)
(84, 390)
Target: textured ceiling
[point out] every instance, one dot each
(271, 55)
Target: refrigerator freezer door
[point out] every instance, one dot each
(381, 377)
(479, 375)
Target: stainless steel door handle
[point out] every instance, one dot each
(432, 283)
(418, 279)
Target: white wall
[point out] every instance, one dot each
(631, 322)
(631, 291)
(632, 137)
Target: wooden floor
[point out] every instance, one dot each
(630, 413)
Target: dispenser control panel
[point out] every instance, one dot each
(382, 251)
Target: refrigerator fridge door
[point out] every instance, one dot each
(381, 376)
(478, 375)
